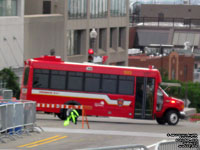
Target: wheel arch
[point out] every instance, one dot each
(73, 102)
(169, 109)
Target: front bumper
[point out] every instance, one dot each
(182, 115)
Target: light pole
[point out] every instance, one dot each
(93, 36)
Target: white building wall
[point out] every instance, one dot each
(12, 38)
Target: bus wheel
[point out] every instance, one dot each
(161, 121)
(172, 117)
(63, 114)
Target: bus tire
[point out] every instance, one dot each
(172, 117)
(161, 120)
(65, 112)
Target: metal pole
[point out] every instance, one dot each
(186, 94)
(93, 45)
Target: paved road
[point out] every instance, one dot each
(102, 132)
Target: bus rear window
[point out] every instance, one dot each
(26, 74)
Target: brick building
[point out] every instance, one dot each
(178, 67)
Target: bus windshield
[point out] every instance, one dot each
(26, 75)
(163, 91)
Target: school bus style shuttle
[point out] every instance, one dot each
(108, 90)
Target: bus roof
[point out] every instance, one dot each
(44, 62)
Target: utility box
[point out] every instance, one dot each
(7, 94)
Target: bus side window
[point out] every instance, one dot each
(126, 85)
(109, 84)
(41, 78)
(92, 82)
(58, 80)
(75, 81)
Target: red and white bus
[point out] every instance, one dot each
(108, 90)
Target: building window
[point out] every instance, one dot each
(74, 42)
(120, 37)
(46, 7)
(77, 9)
(118, 8)
(98, 8)
(185, 72)
(111, 37)
(8, 7)
(102, 39)
(173, 74)
(181, 37)
(195, 66)
(160, 16)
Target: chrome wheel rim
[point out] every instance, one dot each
(173, 118)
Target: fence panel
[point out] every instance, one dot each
(29, 113)
(3, 118)
(19, 115)
(10, 116)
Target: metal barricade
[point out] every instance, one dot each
(29, 113)
(16, 117)
(19, 115)
(30, 117)
(172, 145)
(2, 121)
(121, 147)
(3, 118)
(10, 116)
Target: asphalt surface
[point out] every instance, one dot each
(103, 132)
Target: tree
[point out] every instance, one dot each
(11, 80)
(193, 90)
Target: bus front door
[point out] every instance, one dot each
(144, 98)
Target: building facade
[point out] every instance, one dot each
(170, 11)
(176, 25)
(177, 67)
(11, 33)
(64, 27)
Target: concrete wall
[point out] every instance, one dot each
(46, 32)
(33, 7)
(43, 33)
(12, 38)
(172, 11)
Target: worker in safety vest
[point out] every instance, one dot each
(73, 116)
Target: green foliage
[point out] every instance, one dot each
(195, 116)
(164, 75)
(188, 90)
(11, 80)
